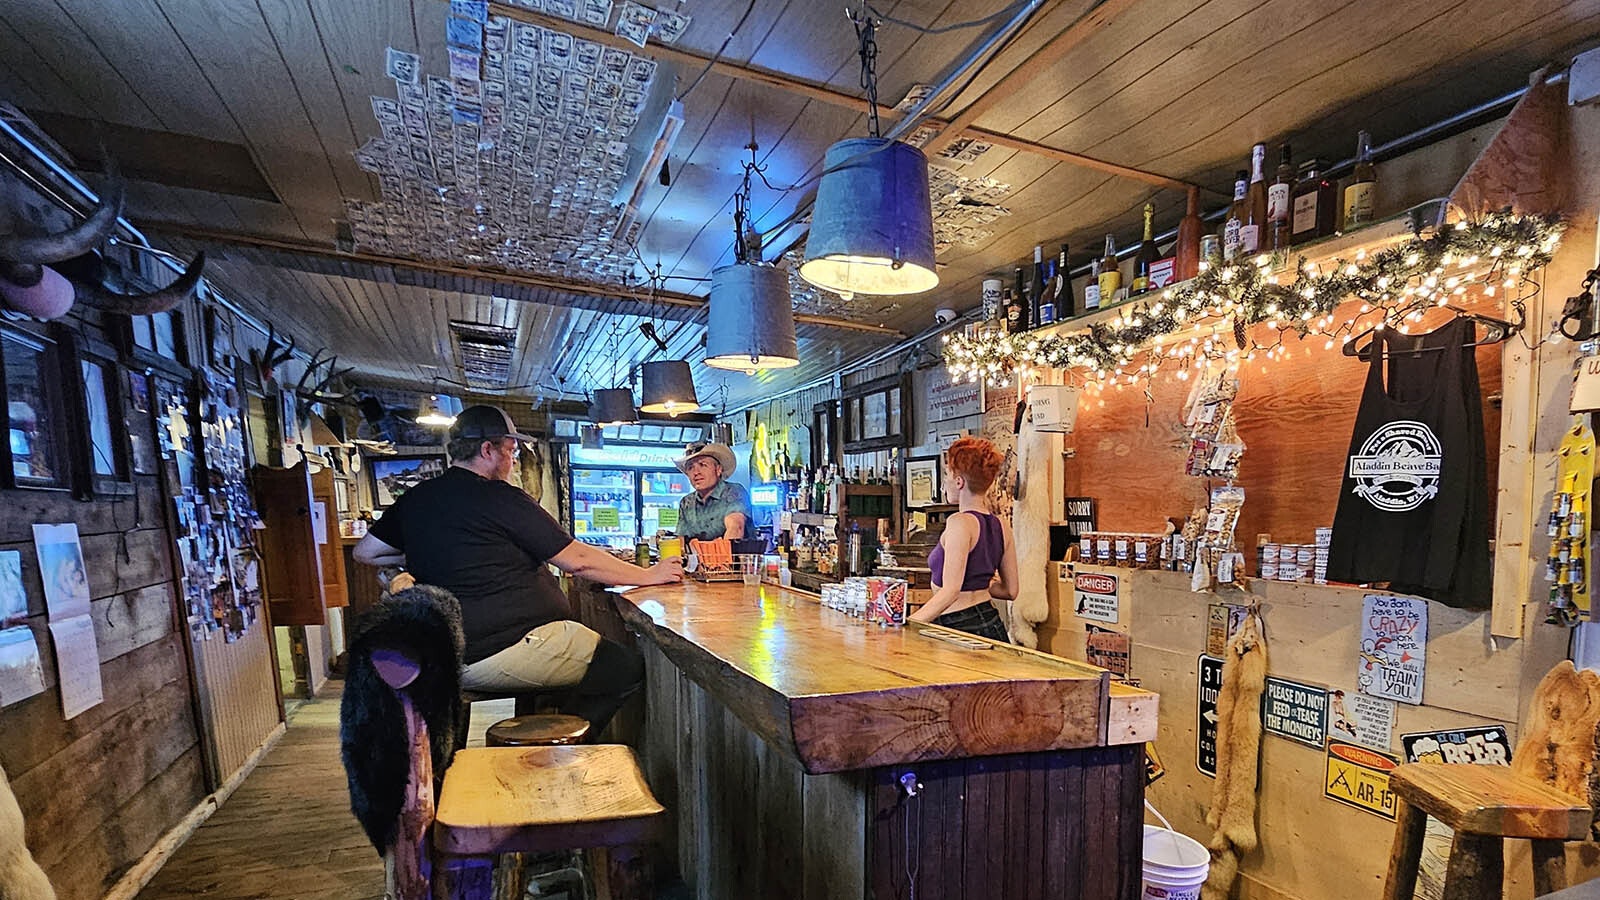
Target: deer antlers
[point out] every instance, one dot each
(275, 354)
(316, 393)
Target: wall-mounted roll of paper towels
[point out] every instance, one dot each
(1053, 407)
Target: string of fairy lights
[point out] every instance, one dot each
(1212, 316)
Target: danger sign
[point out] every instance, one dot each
(1094, 596)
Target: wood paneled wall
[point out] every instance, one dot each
(99, 790)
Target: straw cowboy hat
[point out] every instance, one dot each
(722, 453)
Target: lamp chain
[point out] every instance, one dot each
(866, 32)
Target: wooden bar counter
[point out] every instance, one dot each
(805, 754)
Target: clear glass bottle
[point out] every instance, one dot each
(1361, 194)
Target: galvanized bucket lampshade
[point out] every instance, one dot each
(668, 388)
(613, 406)
(751, 320)
(438, 411)
(872, 226)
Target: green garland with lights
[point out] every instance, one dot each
(1420, 272)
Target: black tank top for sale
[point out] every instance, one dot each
(1413, 509)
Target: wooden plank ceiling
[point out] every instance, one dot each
(1177, 88)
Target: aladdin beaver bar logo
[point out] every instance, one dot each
(1397, 469)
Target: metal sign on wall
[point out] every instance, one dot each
(1205, 725)
(1296, 711)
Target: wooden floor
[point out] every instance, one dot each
(287, 832)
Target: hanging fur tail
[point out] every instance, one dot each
(20, 877)
(1233, 795)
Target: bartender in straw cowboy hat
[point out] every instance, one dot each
(716, 508)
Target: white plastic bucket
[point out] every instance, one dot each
(1175, 865)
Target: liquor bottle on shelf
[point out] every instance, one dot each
(1237, 213)
(1047, 301)
(1146, 256)
(1312, 205)
(1110, 275)
(1062, 302)
(1253, 230)
(1187, 264)
(1361, 194)
(1091, 291)
(1036, 288)
(1278, 202)
(1013, 307)
(1019, 291)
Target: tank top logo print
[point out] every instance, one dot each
(1398, 466)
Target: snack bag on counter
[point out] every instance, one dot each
(887, 602)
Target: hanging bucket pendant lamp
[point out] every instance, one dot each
(438, 411)
(750, 324)
(668, 388)
(612, 406)
(872, 226)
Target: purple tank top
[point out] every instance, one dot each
(982, 562)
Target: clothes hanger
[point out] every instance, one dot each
(1497, 330)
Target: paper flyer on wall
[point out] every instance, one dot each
(77, 665)
(61, 568)
(1361, 719)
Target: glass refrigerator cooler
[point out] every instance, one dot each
(619, 493)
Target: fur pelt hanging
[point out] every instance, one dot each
(423, 622)
(20, 877)
(1233, 795)
(1031, 605)
(1558, 744)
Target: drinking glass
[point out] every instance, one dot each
(750, 567)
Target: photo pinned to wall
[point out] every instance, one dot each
(13, 595)
(139, 423)
(922, 482)
(62, 569)
(21, 673)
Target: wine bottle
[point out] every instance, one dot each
(1361, 194)
(1147, 254)
(1037, 288)
(1110, 275)
(1187, 264)
(1013, 307)
(1019, 294)
(1062, 301)
(1278, 201)
(1254, 227)
(1312, 205)
(1234, 223)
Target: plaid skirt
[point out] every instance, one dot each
(982, 620)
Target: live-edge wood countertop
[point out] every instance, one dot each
(842, 695)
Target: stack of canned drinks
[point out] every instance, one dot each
(880, 601)
(1297, 562)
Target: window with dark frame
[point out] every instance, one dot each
(875, 415)
(35, 451)
(103, 403)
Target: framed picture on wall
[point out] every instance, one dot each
(392, 476)
(922, 482)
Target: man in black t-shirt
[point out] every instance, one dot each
(474, 534)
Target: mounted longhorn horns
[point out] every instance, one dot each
(42, 275)
(27, 284)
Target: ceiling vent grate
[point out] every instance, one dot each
(485, 352)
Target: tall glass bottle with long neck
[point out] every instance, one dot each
(1064, 303)
(1254, 228)
(1237, 213)
(1361, 194)
(1278, 202)
(1110, 273)
(1187, 264)
(1147, 255)
(1019, 296)
(1037, 285)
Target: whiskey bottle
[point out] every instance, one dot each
(1278, 201)
(1361, 193)
(1254, 228)
(1013, 308)
(1237, 213)
(1312, 205)
(1019, 293)
(1110, 275)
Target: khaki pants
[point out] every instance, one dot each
(554, 655)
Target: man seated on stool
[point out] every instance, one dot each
(716, 508)
(472, 533)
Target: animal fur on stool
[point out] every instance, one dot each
(20, 877)
(1559, 743)
(1233, 794)
(423, 622)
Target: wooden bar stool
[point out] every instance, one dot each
(512, 800)
(545, 730)
(1484, 804)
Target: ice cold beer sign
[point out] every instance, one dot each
(1394, 644)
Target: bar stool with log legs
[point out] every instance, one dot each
(1484, 804)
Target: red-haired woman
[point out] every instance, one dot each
(976, 546)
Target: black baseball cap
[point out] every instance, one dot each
(485, 423)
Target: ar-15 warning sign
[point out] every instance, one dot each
(1359, 777)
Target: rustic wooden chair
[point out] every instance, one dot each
(514, 800)
(1484, 805)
